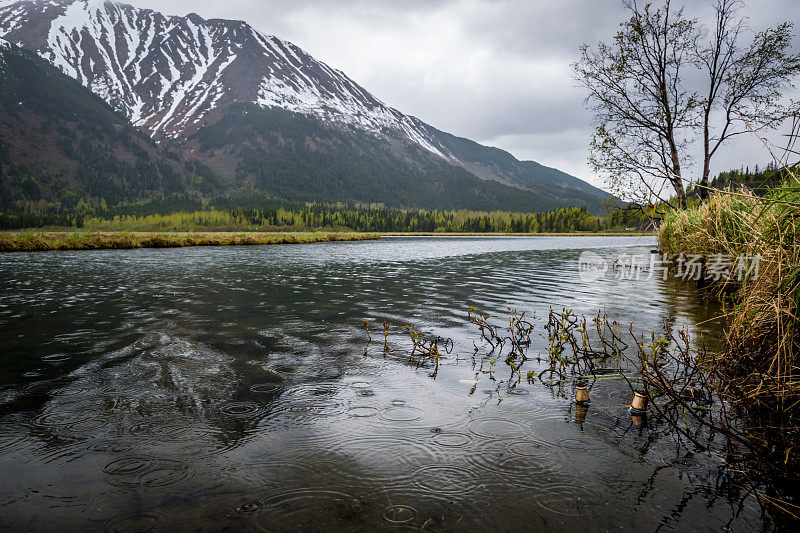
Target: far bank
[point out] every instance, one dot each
(53, 240)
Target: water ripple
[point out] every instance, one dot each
(498, 428)
(145, 472)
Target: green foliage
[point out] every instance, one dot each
(760, 181)
(234, 213)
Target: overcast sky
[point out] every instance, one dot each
(495, 71)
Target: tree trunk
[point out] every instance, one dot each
(703, 185)
(676, 180)
(680, 192)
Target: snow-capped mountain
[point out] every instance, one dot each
(167, 73)
(175, 77)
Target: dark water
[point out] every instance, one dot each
(228, 389)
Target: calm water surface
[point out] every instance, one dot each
(230, 389)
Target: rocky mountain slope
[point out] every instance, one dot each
(59, 142)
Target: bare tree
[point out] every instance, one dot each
(641, 105)
(648, 116)
(745, 85)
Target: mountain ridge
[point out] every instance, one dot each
(61, 147)
(174, 75)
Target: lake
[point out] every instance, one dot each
(230, 389)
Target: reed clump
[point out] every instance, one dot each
(761, 360)
(45, 241)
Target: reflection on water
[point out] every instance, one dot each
(228, 389)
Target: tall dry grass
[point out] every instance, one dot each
(761, 367)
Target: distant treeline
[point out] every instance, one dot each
(759, 180)
(187, 214)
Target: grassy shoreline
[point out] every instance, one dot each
(759, 368)
(47, 240)
(764, 318)
(53, 240)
